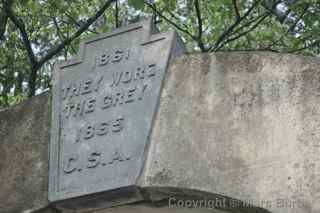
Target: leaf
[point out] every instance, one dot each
(171, 5)
(137, 4)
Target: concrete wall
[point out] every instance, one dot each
(24, 142)
(246, 126)
(239, 125)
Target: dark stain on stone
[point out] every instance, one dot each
(296, 165)
(310, 84)
(23, 144)
(239, 62)
(2, 157)
(205, 64)
(162, 177)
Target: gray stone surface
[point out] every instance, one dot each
(24, 137)
(143, 208)
(104, 102)
(246, 126)
(229, 126)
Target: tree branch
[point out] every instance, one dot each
(55, 22)
(247, 24)
(171, 22)
(117, 25)
(236, 10)
(250, 50)
(5, 77)
(243, 33)
(33, 60)
(3, 67)
(6, 6)
(176, 18)
(75, 22)
(60, 34)
(82, 29)
(275, 42)
(198, 13)
(20, 25)
(3, 21)
(2, 76)
(238, 20)
(35, 64)
(316, 42)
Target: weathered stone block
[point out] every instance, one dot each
(104, 102)
(24, 142)
(241, 125)
(229, 127)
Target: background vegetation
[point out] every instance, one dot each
(36, 33)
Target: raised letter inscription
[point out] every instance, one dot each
(104, 104)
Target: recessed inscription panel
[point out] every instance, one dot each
(103, 109)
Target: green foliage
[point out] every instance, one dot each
(220, 25)
(137, 4)
(11, 99)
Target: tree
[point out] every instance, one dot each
(36, 33)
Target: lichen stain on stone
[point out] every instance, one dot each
(3, 158)
(23, 155)
(236, 62)
(310, 80)
(162, 177)
(205, 64)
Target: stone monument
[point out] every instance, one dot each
(103, 106)
(220, 133)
